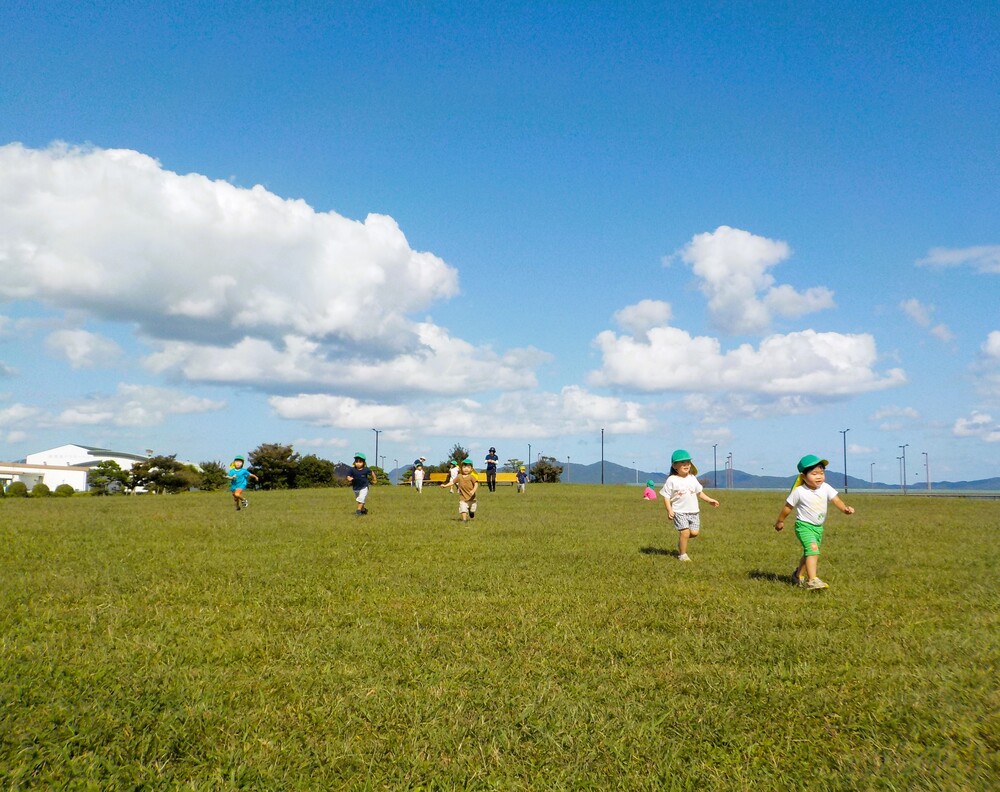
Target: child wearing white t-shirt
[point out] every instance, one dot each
(681, 494)
(808, 499)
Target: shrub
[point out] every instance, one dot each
(40, 490)
(65, 490)
(17, 489)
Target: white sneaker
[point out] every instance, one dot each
(683, 557)
(816, 584)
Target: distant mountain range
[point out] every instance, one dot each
(574, 473)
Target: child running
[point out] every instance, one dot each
(238, 476)
(360, 477)
(468, 485)
(681, 494)
(808, 498)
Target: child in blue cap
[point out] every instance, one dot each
(809, 498)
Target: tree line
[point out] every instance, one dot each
(276, 466)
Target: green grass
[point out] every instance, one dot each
(553, 643)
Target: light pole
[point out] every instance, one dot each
(904, 466)
(636, 472)
(383, 463)
(729, 471)
(902, 483)
(377, 433)
(602, 456)
(871, 474)
(567, 468)
(396, 470)
(715, 465)
(927, 469)
(844, 433)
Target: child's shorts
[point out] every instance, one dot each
(689, 521)
(464, 507)
(361, 495)
(811, 537)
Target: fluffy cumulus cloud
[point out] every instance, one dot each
(642, 316)
(979, 425)
(982, 258)
(987, 369)
(229, 283)
(571, 411)
(801, 363)
(83, 349)
(733, 267)
(134, 405)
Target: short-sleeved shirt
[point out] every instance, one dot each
(811, 504)
(522, 477)
(466, 486)
(240, 478)
(491, 461)
(360, 478)
(682, 492)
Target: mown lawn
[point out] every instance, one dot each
(553, 643)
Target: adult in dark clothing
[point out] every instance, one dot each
(491, 469)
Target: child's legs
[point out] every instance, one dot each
(682, 541)
(687, 526)
(811, 538)
(463, 510)
(237, 495)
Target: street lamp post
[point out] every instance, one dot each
(904, 466)
(927, 469)
(715, 465)
(871, 474)
(602, 456)
(844, 433)
(396, 470)
(902, 483)
(377, 433)
(636, 472)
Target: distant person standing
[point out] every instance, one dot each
(491, 469)
(418, 475)
(452, 475)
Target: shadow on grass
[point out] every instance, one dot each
(770, 577)
(657, 551)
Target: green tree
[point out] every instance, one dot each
(546, 471)
(213, 476)
(40, 490)
(314, 471)
(275, 465)
(107, 477)
(381, 477)
(512, 465)
(65, 491)
(162, 474)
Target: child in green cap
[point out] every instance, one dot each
(649, 493)
(681, 493)
(468, 486)
(809, 498)
(238, 477)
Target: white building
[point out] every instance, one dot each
(49, 475)
(68, 464)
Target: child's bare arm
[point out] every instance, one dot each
(708, 499)
(842, 506)
(779, 524)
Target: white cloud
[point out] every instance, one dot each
(797, 364)
(134, 405)
(979, 425)
(232, 284)
(991, 346)
(7, 371)
(16, 437)
(894, 411)
(573, 410)
(441, 364)
(921, 315)
(642, 316)
(982, 258)
(733, 265)
(83, 349)
(18, 414)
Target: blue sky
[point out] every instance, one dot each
(748, 226)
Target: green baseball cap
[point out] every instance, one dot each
(241, 459)
(360, 456)
(810, 461)
(466, 461)
(650, 483)
(680, 455)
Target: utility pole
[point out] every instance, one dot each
(715, 465)
(904, 466)
(844, 433)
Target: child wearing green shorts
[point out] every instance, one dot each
(809, 498)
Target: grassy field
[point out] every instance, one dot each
(553, 643)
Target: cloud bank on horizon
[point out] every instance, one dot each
(225, 285)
